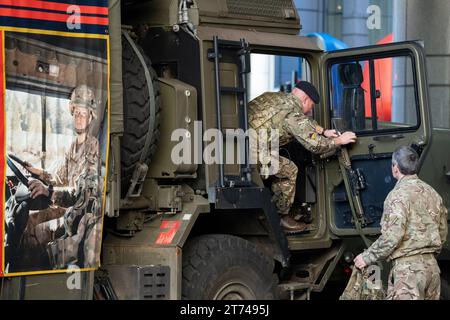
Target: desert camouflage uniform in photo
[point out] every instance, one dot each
(78, 159)
(283, 112)
(414, 229)
(82, 221)
(45, 227)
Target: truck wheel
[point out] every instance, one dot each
(140, 112)
(223, 267)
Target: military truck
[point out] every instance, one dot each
(198, 230)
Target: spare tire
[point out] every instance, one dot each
(141, 109)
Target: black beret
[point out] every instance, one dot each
(310, 90)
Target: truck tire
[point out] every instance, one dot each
(224, 267)
(139, 111)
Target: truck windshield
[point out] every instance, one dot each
(24, 128)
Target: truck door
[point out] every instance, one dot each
(380, 93)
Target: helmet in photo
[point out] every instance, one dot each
(83, 97)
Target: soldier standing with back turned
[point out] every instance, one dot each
(413, 231)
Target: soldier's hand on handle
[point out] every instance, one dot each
(346, 138)
(359, 262)
(37, 188)
(331, 133)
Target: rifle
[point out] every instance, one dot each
(354, 182)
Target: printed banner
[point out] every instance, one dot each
(54, 133)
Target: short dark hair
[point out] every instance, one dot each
(309, 89)
(407, 160)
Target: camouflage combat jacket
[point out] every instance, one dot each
(414, 222)
(277, 110)
(78, 160)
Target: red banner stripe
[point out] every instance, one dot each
(58, 17)
(46, 5)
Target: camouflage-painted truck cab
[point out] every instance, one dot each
(210, 231)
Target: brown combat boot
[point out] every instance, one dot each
(291, 226)
(301, 214)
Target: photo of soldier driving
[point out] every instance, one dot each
(67, 231)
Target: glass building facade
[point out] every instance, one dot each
(347, 19)
(352, 21)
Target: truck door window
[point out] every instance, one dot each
(374, 95)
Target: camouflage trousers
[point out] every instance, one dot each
(283, 186)
(43, 226)
(415, 278)
(46, 228)
(64, 251)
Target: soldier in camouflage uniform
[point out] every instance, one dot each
(413, 231)
(77, 188)
(84, 151)
(287, 113)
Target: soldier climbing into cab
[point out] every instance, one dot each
(288, 113)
